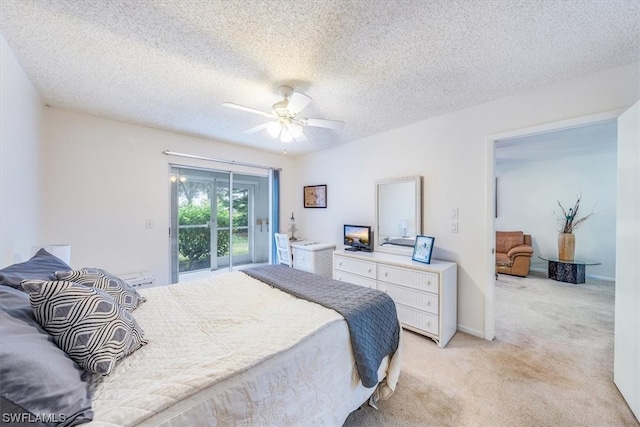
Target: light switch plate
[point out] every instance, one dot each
(454, 227)
(454, 213)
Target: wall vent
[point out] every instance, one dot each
(142, 279)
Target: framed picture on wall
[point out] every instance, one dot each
(315, 196)
(423, 249)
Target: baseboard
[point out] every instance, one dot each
(604, 279)
(471, 331)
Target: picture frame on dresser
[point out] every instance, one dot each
(423, 249)
(315, 196)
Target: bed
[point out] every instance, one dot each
(234, 350)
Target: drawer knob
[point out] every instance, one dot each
(386, 274)
(369, 270)
(428, 303)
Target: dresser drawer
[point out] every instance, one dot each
(355, 266)
(343, 276)
(411, 297)
(418, 319)
(410, 278)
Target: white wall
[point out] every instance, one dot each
(527, 198)
(450, 151)
(20, 167)
(626, 367)
(105, 178)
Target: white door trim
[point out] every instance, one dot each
(490, 234)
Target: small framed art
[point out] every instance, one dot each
(315, 196)
(423, 249)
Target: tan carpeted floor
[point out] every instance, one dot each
(551, 364)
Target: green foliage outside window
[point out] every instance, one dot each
(194, 243)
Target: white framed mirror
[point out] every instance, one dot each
(398, 214)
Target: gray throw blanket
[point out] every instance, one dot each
(370, 314)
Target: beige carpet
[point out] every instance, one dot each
(551, 364)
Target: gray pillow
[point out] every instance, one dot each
(122, 292)
(85, 322)
(36, 377)
(41, 266)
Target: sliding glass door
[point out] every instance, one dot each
(219, 221)
(233, 231)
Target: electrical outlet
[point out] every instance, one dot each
(148, 223)
(454, 227)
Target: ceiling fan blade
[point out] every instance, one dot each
(298, 102)
(256, 128)
(301, 138)
(249, 109)
(321, 123)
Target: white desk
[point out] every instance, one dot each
(314, 257)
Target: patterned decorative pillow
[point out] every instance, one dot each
(122, 292)
(86, 323)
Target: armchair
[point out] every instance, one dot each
(513, 253)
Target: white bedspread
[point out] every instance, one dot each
(234, 351)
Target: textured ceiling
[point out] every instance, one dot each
(571, 142)
(376, 65)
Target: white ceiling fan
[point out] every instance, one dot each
(288, 122)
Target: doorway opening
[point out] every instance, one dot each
(493, 203)
(535, 174)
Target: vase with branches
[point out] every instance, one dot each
(568, 223)
(570, 220)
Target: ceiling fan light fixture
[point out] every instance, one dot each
(295, 129)
(288, 126)
(286, 136)
(274, 129)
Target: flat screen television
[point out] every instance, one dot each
(358, 238)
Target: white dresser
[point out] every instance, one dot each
(314, 257)
(426, 295)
